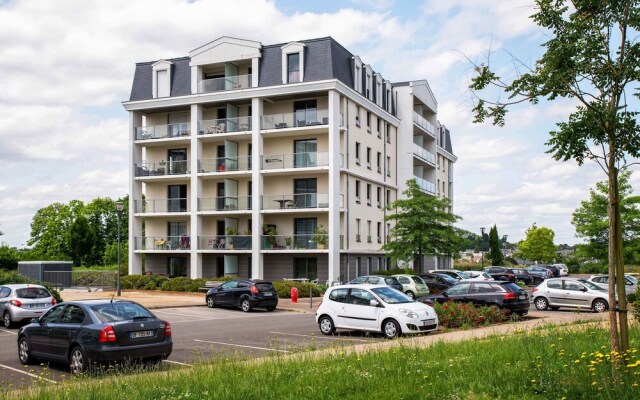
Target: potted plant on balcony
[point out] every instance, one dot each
(288, 241)
(321, 237)
(230, 231)
(271, 232)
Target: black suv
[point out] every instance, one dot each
(501, 273)
(244, 293)
(504, 295)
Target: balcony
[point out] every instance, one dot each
(300, 119)
(424, 124)
(163, 131)
(162, 243)
(224, 242)
(224, 125)
(297, 201)
(224, 83)
(294, 242)
(224, 164)
(425, 154)
(154, 206)
(162, 168)
(225, 203)
(425, 185)
(295, 160)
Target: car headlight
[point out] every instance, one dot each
(408, 313)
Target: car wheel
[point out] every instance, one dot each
(245, 305)
(326, 325)
(24, 351)
(77, 361)
(541, 303)
(6, 320)
(391, 329)
(600, 305)
(271, 308)
(410, 294)
(211, 303)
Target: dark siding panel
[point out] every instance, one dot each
(270, 67)
(342, 61)
(142, 83)
(317, 60)
(181, 78)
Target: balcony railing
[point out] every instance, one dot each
(224, 83)
(423, 123)
(295, 160)
(163, 131)
(224, 203)
(176, 205)
(224, 125)
(162, 168)
(424, 154)
(294, 242)
(297, 201)
(225, 242)
(298, 119)
(164, 243)
(224, 164)
(425, 185)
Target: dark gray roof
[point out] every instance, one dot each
(447, 141)
(180, 79)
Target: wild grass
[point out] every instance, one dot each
(569, 362)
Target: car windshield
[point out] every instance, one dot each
(391, 296)
(114, 312)
(32, 293)
(591, 286)
(448, 278)
(632, 279)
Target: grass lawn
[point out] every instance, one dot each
(570, 362)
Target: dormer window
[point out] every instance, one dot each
(161, 79)
(293, 62)
(357, 74)
(293, 67)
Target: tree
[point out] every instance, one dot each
(592, 57)
(495, 252)
(8, 257)
(591, 221)
(538, 245)
(81, 240)
(422, 226)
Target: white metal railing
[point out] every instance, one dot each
(224, 83)
(423, 123)
(163, 131)
(295, 160)
(301, 118)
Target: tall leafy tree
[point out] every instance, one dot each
(8, 257)
(591, 221)
(50, 227)
(592, 57)
(423, 226)
(495, 252)
(538, 245)
(81, 240)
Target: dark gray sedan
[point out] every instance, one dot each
(82, 333)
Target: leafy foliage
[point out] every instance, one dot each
(8, 257)
(538, 245)
(495, 252)
(304, 289)
(462, 315)
(13, 277)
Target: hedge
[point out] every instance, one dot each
(161, 282)
(284, 289)
(13, 277)
(463, 315)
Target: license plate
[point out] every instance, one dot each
(267, 294)
(522, 297)
(140, 334)
(428, 322)
(37, 305)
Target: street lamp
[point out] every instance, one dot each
(482, 247)
(119, 209)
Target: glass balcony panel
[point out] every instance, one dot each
(294, 242)
(162, 168)
(151, 132)
(162, 205)
(424, 154)
(295, 160)
(301, 118)
(224, 83)
(164, 243)
(423, 123)
(224, 203)
(224, 164)
(225, 242)
(425, 185)
(224, 125)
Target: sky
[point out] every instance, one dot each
(66, 66)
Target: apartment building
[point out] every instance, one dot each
(273, 161)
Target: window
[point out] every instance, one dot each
(438, 187)
(379, 196)
(72, 315)
(388, 166)
(339, 295)
(388, 232)
(305, 153)
(52, 315)
(387, 133)
(305, 267)
(177, 198)
(379, 162)
(369, 157)
(369, 93)
(379, 234)
(360, 297)
(357, 191)
(554, 284)
(162, 83)
(357, 153)
(293, 68)
(388, 198)
(176, 266)
(368, 194)
(378, 130)
(369, 234)
(306, 113)
(357, 229)
(368, 122)
(358, 116)
(305, 193)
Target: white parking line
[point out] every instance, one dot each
(178, 363)
(321, 337)
(178, 314)
(27, 373)
(240, 345)
(5, 331)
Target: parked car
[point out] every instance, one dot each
(373, 308)
(501, 273)
(477, 276)
(570, 292)
(81, 333)
(525, 277)
(539, 271)
(502, 294)
(412, 285)
(454, 273)
(630, 284)
(246, 294)
(554, 270)
(438, 282)
(378, 280)
(564, 270)
(22, 302)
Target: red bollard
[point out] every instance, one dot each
(294, 295)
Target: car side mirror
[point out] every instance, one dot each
(584, 289)
(374, 303)
(35, 320)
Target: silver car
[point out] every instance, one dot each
(630, 284)
(23, 302)
(570, 292)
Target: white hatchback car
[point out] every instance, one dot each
(374, 308)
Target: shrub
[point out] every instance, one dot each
(463, 315)
(284, 289)
(182, 284)
(8, 257)
(142, 282)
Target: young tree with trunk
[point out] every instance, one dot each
(592, 57)
(538, 245)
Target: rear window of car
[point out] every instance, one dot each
(554, 284)
(512, 287)
(339, 295)
(391, 281)
(32, 293)
(114, 312)
(417, 279)
(264, 286)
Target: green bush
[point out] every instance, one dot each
(593, 268)
(142, 282)
(182, 284)
(463, 315)
(12, 277)
(284, 289)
